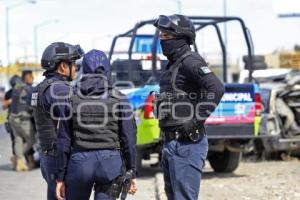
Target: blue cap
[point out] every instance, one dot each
(95, 61)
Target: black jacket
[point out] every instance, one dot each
(195, 77)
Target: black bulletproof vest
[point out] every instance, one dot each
(174, 106)
(19, 98)
(45, 125)
(95, 122)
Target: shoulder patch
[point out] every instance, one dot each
(205, 70)
(34, 97)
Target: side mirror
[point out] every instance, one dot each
(258, 62)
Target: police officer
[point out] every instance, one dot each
(58, 60)
(189, 92)
(102, 135)
(6, 105)
(20, 120)
(27, 78)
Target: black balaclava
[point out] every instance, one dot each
(171, 46)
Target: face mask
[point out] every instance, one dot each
(170, 46)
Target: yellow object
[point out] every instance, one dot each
(3, 117)
(21, 166)
(148, 131)
(257, 121)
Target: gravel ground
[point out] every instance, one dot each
(259, 181)
(252, 180)
(31, 186)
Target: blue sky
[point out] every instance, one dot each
(91, 23)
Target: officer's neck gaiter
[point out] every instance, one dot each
(170, 47)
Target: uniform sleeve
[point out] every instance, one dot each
(8, 95)
(211, 89)
(7, 99)
(27, 98)
(127, 134)
(60, 109)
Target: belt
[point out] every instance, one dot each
(22, 115)
(174, 135)
(182, 136)
(49, 152)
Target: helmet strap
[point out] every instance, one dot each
(70, 74)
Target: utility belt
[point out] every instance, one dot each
(49, 152)
(21, 116)
(188, 132)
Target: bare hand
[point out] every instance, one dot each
(133, 187)
(60, 190)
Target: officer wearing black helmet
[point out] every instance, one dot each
(189, 92)
(21, 122)
(7, 105)
(49, 100)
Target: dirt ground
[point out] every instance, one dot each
(278, 180)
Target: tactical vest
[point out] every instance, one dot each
(173, 105)
(95, 122)
(19, 98)
(45, 125)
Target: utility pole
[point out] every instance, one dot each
(225, 24)
(179, 6)
(7, 28)
(35, 36)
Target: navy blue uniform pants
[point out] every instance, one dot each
(49, 171)
(182, 164)
(89, 168)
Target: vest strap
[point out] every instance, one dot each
(174, 69)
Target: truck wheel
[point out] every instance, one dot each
(225, 161)
(139, 158)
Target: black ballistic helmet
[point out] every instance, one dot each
(177, 25)
(60, 51)
(14, 80)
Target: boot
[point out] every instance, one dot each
(13, 160)
(30, 162)
(21, 166)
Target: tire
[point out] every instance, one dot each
(225, 162)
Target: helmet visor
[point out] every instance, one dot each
(163, 22)
(78, 64)
(78, 52)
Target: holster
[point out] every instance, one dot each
(193, 130)
(113, 189)
(118, 188)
